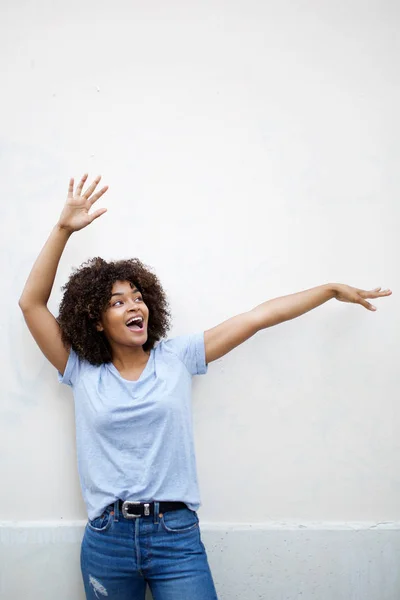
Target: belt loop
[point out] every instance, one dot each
(116, 511)
(156, 511)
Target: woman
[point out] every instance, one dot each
(132, 403)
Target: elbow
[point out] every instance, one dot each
(27, 304)
(265, 317)
(22, 304)
(258, 319)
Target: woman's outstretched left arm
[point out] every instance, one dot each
(224, 337)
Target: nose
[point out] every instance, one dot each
(133, 305)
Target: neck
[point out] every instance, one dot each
(125, 358)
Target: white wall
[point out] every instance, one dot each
(253, 562)
(258, 144)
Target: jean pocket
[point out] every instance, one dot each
(180, 521)
(103, 522)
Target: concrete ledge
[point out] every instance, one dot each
(276, 561)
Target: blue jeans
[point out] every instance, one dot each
(120, 556)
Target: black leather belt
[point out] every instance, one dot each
(131, 510)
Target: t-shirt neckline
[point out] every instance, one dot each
(143, 374)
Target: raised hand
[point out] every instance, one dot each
(346, 293)
(75, 215)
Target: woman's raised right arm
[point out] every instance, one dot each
(33, 301)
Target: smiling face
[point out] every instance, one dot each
(126, 317)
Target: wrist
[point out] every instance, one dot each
(63, 230)
(333, 289)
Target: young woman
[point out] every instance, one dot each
(133, 412)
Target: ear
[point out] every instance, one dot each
(99, 327)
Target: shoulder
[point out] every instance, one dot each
(189, 349)
(75, 368)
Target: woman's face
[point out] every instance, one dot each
(126, 317)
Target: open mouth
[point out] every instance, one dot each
(135, 324)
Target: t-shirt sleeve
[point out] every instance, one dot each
(191, 351)
(72, 369)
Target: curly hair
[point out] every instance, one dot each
(87, 294)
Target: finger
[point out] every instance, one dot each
(382, 293)
(369, 293)
(71, 188)
(375, 293)
(96, 196)
(385, 293)
(80, 185)
(97, 214)
(91, 188)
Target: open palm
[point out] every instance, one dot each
(75, 215)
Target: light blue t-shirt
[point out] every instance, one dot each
(135, 438)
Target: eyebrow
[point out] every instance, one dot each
(133, 291)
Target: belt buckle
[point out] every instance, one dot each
(128, 515)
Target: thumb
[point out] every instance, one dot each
(366, 304)
(97, 214)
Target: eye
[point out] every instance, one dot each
(138, 299)
(115, 303)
